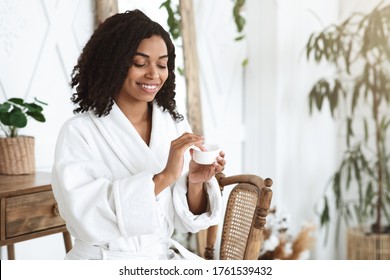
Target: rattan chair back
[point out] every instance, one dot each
(245, 216)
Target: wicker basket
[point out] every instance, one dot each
(367, 246)
(17, 155)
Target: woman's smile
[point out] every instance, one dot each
(149, 87)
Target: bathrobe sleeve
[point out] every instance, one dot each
(97, 208)
(185, 220)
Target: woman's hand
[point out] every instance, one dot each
(199, 173)
(174, 167)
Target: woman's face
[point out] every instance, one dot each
(148, 71)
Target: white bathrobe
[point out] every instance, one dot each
(103, 182)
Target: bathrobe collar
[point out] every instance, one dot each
(129, 146)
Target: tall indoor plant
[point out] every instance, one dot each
(359, 95)
(17, 151)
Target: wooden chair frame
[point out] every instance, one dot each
(246, 211)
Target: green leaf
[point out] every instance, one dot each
(5, 119)
(240, 23)
(173, 19)
(18, 101)
(238, 19)
(365, 130)
(327, 41)
(334, 96)
(309, 46)
(370, 194)
(4, 107)
(15, 109)
(244, 63)
(358, 176)
(349, 131)
(164, 4)
(239, 38)
(32, 107)
(318, 51)
(180, 70)
(349, 176)
(325, 213)
(18, 119)
(337, 189)
(317, 93)
(347, 57)
(355, 94)
(37, 116)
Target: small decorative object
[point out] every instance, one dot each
(17, 155)
(279, 244)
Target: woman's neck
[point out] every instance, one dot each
(140, 116)
(136, 112)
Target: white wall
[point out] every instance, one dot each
(40, 41)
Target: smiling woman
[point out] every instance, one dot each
(123, 174)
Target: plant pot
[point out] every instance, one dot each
(17, 155)
(367, 246)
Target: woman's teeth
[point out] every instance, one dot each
(150, 87)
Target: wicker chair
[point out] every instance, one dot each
(245, 217)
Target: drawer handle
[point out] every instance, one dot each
(55, 209)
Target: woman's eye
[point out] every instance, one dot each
(139, 64)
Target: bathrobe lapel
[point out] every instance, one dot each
(164, 131)
(127, 144)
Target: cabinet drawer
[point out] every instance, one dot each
(30, 213)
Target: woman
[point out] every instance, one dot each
(123, 173)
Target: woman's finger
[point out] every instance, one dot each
(184, 143)
(220, 163)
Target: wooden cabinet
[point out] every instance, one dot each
(28, 210)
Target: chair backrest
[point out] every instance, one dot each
(245, 216)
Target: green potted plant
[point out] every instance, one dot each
(17, 151)
(358, 95)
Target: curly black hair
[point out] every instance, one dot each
(103, 64)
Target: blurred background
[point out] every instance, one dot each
(254, 93)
